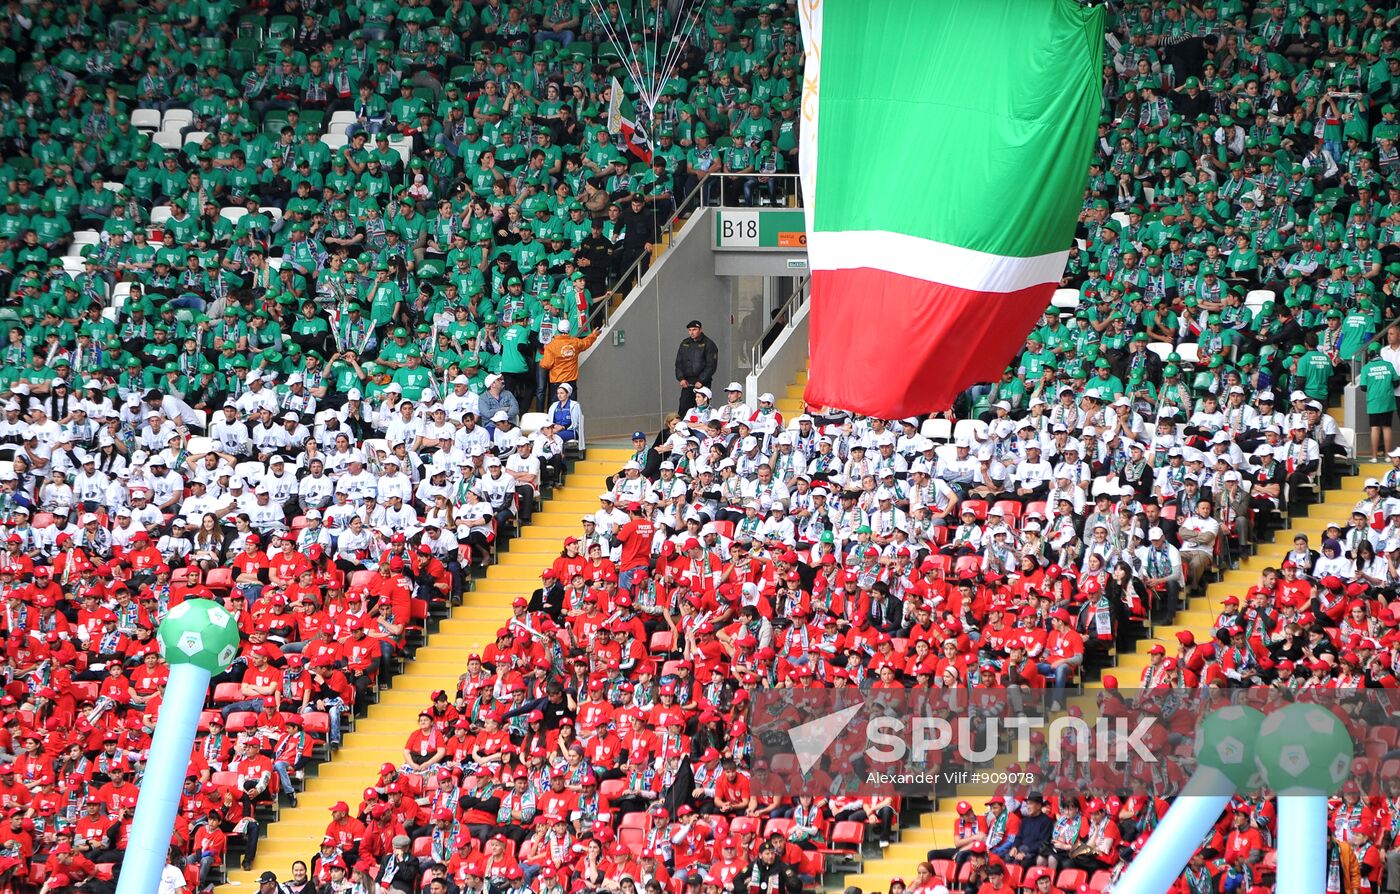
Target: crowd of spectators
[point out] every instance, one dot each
(282, 281)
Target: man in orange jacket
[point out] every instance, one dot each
(560, 356)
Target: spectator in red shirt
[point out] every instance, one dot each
(1064, 653)
(260, 681)
(636, 537)
(733, 795)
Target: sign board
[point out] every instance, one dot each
(760, 228)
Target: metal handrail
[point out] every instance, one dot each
(795, 191)
(785, 317)
(693, 201)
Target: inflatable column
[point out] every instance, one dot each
(198, 639)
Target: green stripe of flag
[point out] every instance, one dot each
(977, 116)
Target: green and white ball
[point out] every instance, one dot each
(199, 632)
(1304, 749)
(1225, 741)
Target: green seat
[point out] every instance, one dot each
(430, 269)
(280, 27)
(639, 167)
(313, 119)
(251, 27)
(242, 59)
(425, 94)
(459, 72)
(273, 122)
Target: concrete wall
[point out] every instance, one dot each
(786, 358)
(760, 262)
(631, 386)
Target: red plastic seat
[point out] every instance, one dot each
(968, 563)
(744, 824)
(239, 721)
(1011, 509)
(977, 506)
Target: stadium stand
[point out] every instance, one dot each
(290, 292)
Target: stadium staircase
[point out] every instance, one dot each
(932, 828)
(379, 737)
(790, 404)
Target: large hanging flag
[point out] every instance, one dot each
(944, 152)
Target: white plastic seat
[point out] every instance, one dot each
(335, 141)
(936, 428)
(1256, 298)
(1347, 438)
(86, 237)
(145, 119)
(1066, 299)
(972, 429)
(1190, 351)
(160, 214)
(1161, 348)
(251, 471)
(198, 446)
(168, 139)
(533, 422)
(176, 119)
(232, 215)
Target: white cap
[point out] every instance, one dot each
(734, 386)
(393, 388)
(1371, 482)
(563, 326)
(766, 397)
(1155, 534)
(501, 416)
(295, 378)
(461, 380)
(313, 513)
(353, 394)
